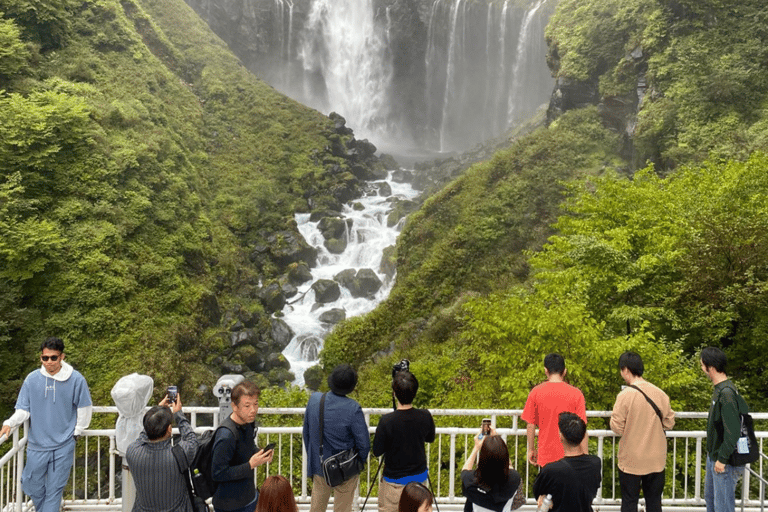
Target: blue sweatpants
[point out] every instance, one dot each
(45, 475)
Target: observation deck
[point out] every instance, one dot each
(97, 474)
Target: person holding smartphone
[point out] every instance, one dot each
(494, 486)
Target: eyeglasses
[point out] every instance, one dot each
(46, 358)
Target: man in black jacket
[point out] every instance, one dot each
(235, 457)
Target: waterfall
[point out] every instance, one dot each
(442, 79)
(367, 237)
(450, 73)
(521, 58)
(343, 46)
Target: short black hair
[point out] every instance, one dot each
(52, 343)
(572, 427)
(244, 388)
(633, 362)
(713, 357)
(405, 385)
(156, 422)
(554, 363)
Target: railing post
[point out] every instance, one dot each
(112, 454)
(452, 472)
(19, 465)
(697, 476)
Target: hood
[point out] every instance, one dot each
(62, 375)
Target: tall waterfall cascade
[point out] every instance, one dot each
(444, 78)
(367, 236)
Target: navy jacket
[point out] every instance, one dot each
(344, 428)
(231, 467)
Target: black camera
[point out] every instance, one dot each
(403, 366)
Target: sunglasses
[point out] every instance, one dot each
(46, 358)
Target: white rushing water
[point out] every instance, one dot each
(342, 43)
(366, 241)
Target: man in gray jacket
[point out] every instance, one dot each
(160, 485)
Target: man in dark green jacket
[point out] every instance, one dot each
(723, 427)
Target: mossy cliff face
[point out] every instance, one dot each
(148, 186)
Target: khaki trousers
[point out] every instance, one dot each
(389, 496)
(343, 495)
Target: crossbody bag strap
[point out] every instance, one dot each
(322, 417)
(178, 454)
(653, 404)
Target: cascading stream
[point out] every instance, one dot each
(367, 238)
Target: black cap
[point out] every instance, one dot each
(342, 379)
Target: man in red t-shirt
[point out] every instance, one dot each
(545, 402)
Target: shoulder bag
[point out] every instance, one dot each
(653, 404)
(342, 466)
(747, 450)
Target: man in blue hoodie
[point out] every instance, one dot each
(57, 403)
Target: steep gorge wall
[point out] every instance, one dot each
(443, 74)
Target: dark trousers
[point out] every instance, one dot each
(652, 485)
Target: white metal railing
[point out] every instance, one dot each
(95, 483)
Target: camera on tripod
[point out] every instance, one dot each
(403, 366)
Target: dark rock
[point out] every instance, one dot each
(385, 190)
(366, 284)
(335, 245)
(402, 176)
(248, 356)
(287, 247)
(400, 209)
(210, 311)
(388, 162)
(289, 290)
(332, 227)
(326, 290)
(388, 265)
(572, 94)
(363, 283)
(276, 360)
(244, 337)
(280, 377)
(272, 297)
(333, 316)
(358, 207)
(345, 277)
(281, 333)
(230, 367)
(299, 273)
(313, 377)
(339, 124)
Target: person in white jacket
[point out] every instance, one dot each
(57, 402)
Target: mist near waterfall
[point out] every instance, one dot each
(440, 79)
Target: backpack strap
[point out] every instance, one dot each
(322, 415)
(183, 465)
(653, 404)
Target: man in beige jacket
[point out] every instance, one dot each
(641, 416)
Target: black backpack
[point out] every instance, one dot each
(202, 474)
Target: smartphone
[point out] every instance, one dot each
(485, 427)
(270, 446)
(173, 392)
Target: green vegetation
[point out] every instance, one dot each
(139, 165)
(569, 241)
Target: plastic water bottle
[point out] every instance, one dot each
(546, 504)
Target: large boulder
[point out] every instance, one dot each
(333, 316)
(313, 377)
(299, 273)
(281, 333)
(326, 290)
(363, 283)
(286, 247)
(272, 297)
(388, 265)
(333, 227)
